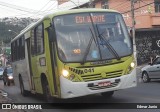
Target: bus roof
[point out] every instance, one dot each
(57, 13)
(72, 11)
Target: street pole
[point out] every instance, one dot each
(133, 28)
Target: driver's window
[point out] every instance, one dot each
(156, 61)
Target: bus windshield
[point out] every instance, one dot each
(91, 37)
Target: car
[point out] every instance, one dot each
(8, 76)
(151, 71)
(1, 73)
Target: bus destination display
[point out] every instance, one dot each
(87, 19)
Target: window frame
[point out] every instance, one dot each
(34, 50)
(17, 51)
(157, 6)
(39, 53)
(104, 4)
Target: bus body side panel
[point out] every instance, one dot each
(38, 66)
(42, 64)
(37, 70)
(20, 68)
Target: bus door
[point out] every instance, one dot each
(37, 57)
(29, 62)
(53, 61)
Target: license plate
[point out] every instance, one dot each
(101, 84)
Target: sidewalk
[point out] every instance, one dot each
(4, 99)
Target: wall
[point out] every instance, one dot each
(143, 16)
(144, 45)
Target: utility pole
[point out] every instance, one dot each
(133, 28)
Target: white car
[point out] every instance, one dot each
(151, 71)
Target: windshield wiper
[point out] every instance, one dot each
(88, 47)
(94, 36)
(107, 44)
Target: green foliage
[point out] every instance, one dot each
(5, 35)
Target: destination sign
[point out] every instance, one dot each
(85, 18)
(89, 19)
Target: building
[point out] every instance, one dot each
(147, 21)
(62, 1)
(147, 12)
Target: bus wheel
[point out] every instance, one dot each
(23, 92)
(46, 92)
(107, 94)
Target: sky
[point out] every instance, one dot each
(33, 8)
(26, 8)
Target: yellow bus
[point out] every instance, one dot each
(74, 53)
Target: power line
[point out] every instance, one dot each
(119, 5)
(138, 7)
(144, 2)
(17, 7)
(77, 5)
(51, 6)
(46, 11)
(124, 8)
(42, 8)
(28, 12)
(31, 11)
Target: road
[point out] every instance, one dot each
(143, 93)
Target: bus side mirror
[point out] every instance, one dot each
(51, 34)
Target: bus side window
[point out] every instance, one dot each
(40, 39)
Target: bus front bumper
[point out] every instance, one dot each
(71, 89)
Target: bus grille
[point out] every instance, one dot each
(96, 87)
(92, 77)
(114, 74)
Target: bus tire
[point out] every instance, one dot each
(46, 92)
(23, 91)
(107, 94)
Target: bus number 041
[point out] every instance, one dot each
(89, 70)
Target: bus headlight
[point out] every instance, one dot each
(65, 73)
(130, 67)
(10, 77)
(132, 64)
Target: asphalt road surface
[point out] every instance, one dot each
(143, 93)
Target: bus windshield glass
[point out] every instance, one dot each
(91, 36)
